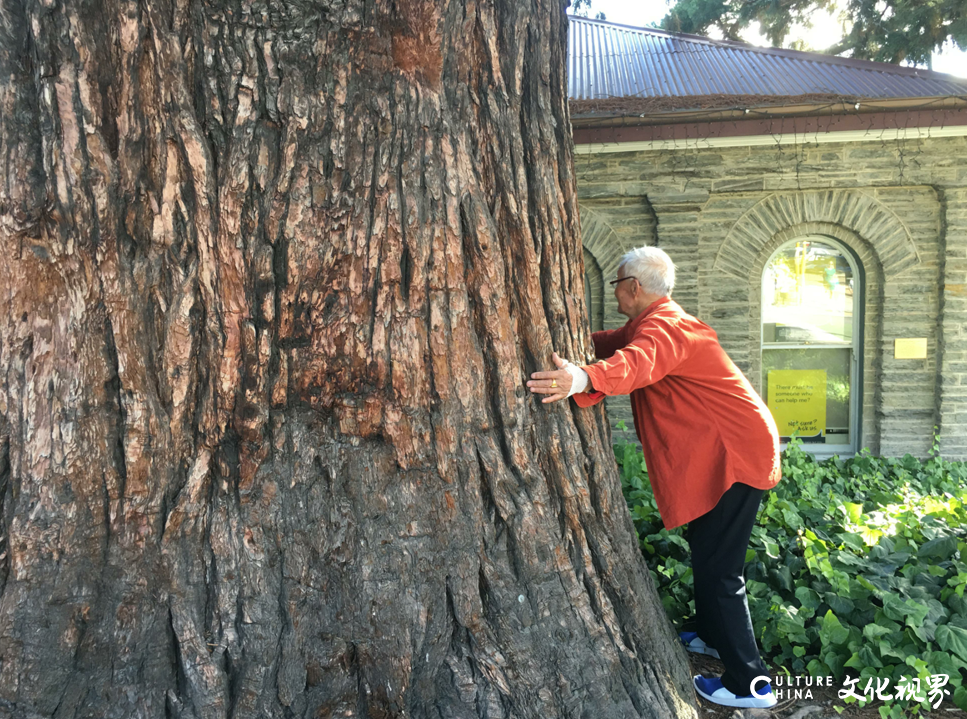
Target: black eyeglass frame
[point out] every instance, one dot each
(621, 279)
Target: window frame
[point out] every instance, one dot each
(823, 451)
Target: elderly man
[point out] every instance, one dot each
(710, 445)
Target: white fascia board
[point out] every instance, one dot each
(902, 133)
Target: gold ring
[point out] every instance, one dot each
(553, 383)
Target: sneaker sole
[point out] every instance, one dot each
(738, 702)
(714, 653)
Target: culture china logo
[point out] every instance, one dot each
(905, 689)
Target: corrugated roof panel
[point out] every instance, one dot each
(737, 78)
(678, 80)
(681, 63)
(643, 84)
(650, 69)
(708, 73)
(598, 59)
(706, 69)
(618, 47)
(607, 60)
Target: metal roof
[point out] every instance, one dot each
(606, 60)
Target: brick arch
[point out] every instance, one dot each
(830, 212)
(604, 248)
(594, 287)
(601, 242)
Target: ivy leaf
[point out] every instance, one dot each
(832, 631)
(952, 639)
(790, 623)
(783, 577)
(816, 668)
(835, 661)
(851, 560)
(904, 610)
(792, 518)
(854, 541)
(960, 698)
(875, 631)
(887, 650)
(841, 605)
(772, 549)
(925, 632)
(939, 548)
(808, 598)
(854, 512)
(945, 663)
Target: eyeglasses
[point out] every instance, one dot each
(621, 279)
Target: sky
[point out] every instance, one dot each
(825, 27)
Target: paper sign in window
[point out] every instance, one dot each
(797, 400)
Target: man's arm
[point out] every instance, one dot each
(607, 342)
(557, 383)
(655, 350)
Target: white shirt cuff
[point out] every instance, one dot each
(579, 378)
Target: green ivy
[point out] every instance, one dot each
(855, 567)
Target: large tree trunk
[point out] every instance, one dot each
(272, 276)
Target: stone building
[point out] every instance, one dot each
(816, 209)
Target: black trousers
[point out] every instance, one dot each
(718, 540)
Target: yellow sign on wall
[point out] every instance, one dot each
(910, 348)
(797, 400)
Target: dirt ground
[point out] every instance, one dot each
(820, 705)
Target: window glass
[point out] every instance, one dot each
(810, 376)
(808, 296)
(808, 343)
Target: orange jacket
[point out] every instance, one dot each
(700, 423)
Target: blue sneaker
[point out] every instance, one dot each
(713, 690)
(697, 646)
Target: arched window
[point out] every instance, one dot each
(812, 343)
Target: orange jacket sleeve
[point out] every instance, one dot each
(656, 349)
(587, 399)
(607, 342)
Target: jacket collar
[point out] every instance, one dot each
(650, 310)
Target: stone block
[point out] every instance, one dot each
(739, 184)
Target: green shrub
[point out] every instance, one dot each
(855, 567)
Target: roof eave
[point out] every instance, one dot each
(853, 106)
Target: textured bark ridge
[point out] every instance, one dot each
(272, 276)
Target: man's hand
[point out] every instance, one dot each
(555, 384)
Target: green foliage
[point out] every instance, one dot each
(855, 566)
(582, 8)
(885, 30)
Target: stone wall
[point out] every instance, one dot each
(610, 227)
(901, 208)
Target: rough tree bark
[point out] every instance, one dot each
(272, 276)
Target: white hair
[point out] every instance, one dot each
(653, 269)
